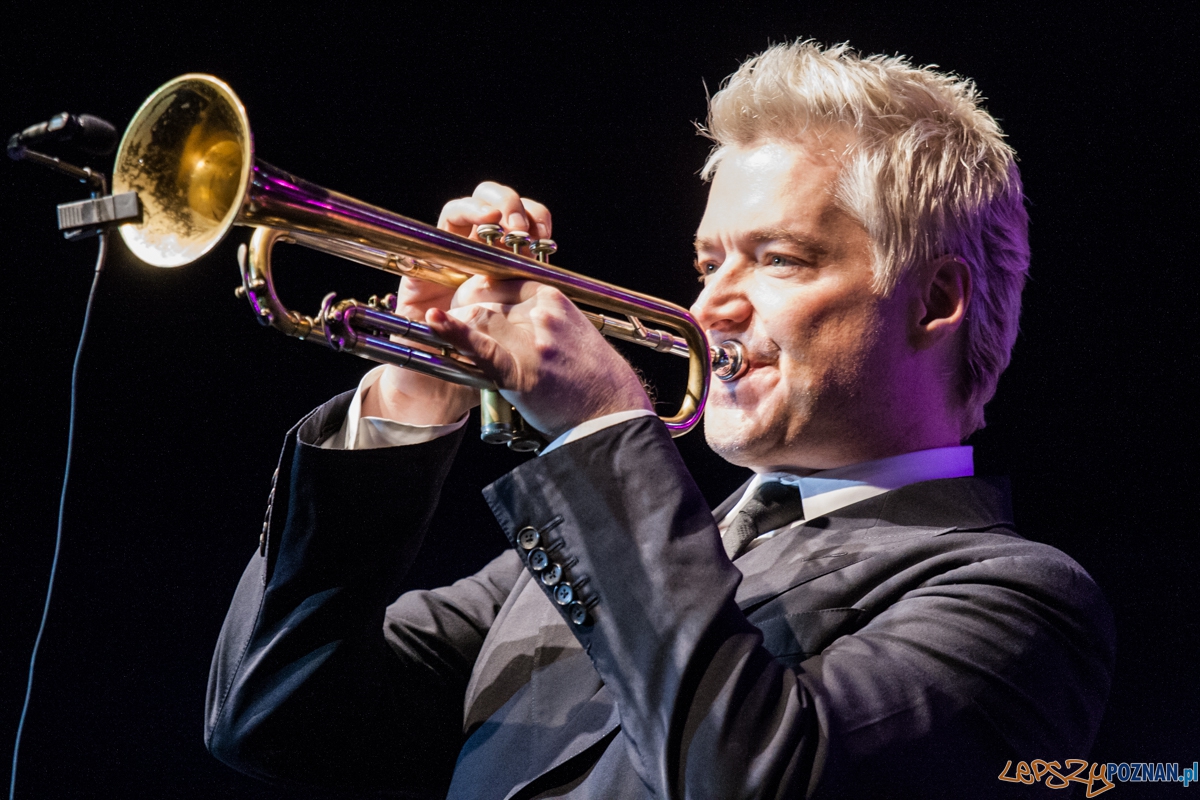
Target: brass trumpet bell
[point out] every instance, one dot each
(189, 156)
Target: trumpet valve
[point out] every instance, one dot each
(495, 418)
(543, 249)
(488, 233)
(524, 438)
(516, 240)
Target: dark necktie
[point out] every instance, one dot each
(773, 505)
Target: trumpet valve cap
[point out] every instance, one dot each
(525, 444)
(543, 248)
(496, 433)
(489, 233)
(516, 240)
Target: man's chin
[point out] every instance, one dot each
(734, 438)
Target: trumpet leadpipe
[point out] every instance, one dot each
(632, 330)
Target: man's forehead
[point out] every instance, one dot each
(776, 192)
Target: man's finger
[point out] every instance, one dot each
(462, 215)
(472, 341)
(513, 215)
(485, 289)
(413, 292)
(496, 203)
(540, 216)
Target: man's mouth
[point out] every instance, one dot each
(739, 359)
(755, 358)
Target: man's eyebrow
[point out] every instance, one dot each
(765, 235)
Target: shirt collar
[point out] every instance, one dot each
(829, 490)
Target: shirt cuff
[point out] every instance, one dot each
(595, 426)
(369, 433)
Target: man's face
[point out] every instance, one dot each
(788, 274)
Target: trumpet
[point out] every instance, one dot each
(189, 155)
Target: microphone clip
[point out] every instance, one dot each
(84, 219)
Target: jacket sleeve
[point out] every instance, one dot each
(919, 701)
(316, 680)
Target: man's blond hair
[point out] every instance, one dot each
(927, 173)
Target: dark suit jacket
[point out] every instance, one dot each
(908, 645)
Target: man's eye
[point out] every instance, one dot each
(705, 268)
(783, 264)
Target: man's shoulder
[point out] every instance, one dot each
(959, 531)
(956, 529)
(922, 512)
(966, 513)
(961, 504)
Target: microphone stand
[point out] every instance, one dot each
(80, 220)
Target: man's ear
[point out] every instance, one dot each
(943, 296)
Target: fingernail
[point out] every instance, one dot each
(517, 222)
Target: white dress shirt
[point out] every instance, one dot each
(823, 492)
(367, 433)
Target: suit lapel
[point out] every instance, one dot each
(802, 554)
(856, 532)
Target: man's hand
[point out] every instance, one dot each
(541, 351)
(408, 396)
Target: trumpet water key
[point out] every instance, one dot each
(188, 153)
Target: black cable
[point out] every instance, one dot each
(62, 500)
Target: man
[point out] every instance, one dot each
(861, 620)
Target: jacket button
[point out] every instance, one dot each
(578, 613)
(552, 574)
(528, 538)
(564, 595)
(538, 560)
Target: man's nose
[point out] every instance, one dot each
(723, 304)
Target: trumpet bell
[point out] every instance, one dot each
(188, 154)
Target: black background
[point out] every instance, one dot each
(184, 400)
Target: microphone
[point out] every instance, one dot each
(90, 134)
